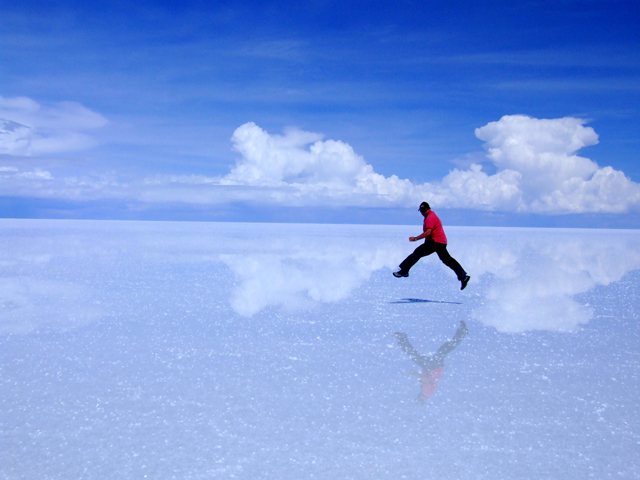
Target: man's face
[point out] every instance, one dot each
(424, 214)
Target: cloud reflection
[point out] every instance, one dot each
(30, 303)
(526, 279)
(533, 278)
(62, 275)
(302, 272)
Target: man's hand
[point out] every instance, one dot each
(412, 239)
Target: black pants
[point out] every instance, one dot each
(425, 361)
(427, 248)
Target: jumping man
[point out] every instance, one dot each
(435, 241)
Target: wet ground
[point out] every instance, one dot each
(211, 350)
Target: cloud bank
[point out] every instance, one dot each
(537, 169)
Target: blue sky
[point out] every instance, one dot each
(496, 113)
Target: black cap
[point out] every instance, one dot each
(424, 206)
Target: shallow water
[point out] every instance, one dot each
(212, 350)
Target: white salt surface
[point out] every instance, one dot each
(209, 350)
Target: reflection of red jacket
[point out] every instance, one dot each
(429, 380)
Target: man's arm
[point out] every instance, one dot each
(426, 234)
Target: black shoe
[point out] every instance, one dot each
(463, 282)
(400, 273)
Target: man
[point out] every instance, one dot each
(435, 241)
(431, 367)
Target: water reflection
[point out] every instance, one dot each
(167, 361)
(533, 280)
(303, 272)
(432, 366)
(65, 274)
(527, 279)
(29, 303)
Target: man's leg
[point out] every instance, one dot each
(449, 346)
(403, 343)
(427, 248)
(449, 261)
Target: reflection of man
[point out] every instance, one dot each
(432, 367)
(435, 241)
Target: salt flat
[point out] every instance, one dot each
(219, 350)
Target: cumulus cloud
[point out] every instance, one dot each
(327, 169)
(28, 128)
(537, 171)
(552, 178)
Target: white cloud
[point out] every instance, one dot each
(537, 169)
(15, 138)
(475, 189)
(552, 178)
(40, 183)
(28, 128)
(327, 171)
